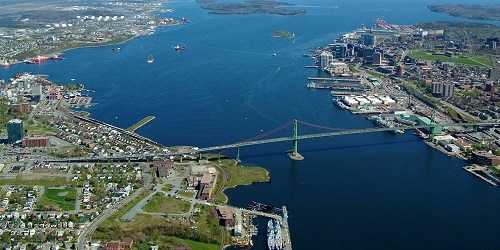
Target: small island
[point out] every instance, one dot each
(283, 34)
(478, 12)
(250, 7)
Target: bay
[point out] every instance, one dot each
(370, 191)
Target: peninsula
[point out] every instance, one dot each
(480, 12)
(249, 7)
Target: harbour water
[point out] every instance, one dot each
(370, 191)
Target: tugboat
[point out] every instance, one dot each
(150, 59)
(177, 47)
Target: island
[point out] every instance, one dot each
(283, 34)
(250, 7)
(480, 12)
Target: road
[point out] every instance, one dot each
(87, 231)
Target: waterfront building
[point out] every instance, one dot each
(485, 158)
(325, 59)
(226, 216)
(15, 130)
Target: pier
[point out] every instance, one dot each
(140, 123)
(475, 169)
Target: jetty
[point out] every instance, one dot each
(140, 123)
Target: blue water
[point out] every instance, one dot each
(371, 191)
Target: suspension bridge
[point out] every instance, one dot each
(295, 137)
(295, 155)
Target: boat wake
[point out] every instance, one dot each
(234, 50)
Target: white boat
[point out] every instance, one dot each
(150, 59)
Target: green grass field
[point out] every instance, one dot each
(64, 198)
(200, 245)
(472, 60)
(160, 204)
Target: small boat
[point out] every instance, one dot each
(177, 47)
(117, 49)
(57, 57)
(274, 54)
(6, 64)
(150, 59)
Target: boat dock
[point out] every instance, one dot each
(272, 212)
(140, 123)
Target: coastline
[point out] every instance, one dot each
(268, 179)
(61, 52)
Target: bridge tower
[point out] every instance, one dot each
(294, 154)
(238, 155)
(433, 124)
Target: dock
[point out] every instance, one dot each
(474, 169)
(272, 212)
(140, 123)
(336, 79)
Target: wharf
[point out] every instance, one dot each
(343, 79)
(474, 169)
(140, 123)
(368, 111)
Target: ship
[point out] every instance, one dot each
(57, 57)
(150, 59)
(39, 59)
(270, 234)
(277, 238)
(177, 47)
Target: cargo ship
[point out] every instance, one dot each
(40, 59)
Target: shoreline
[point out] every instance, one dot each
(61, 52)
